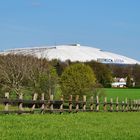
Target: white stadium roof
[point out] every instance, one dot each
(73, 52)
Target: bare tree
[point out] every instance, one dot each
(13, 69)
(19, 71)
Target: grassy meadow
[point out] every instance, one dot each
(122, 93)
(80, 126)
(75, 126)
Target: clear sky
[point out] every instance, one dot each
(112, 25)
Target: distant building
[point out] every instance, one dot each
(73, 52)
(118, 84)
(121, 82)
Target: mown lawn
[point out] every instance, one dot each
(122, 93)
(80, 126)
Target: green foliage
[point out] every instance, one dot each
(102, 72)
(121, 70)
(136, 75)
(125, 70)
(97, 91)
(1, 93)
(48, 81)
(60, 66)
(129, 82)
(57, 92)
(77, 79)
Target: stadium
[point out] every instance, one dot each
(73, 52)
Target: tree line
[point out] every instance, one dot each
(20, 74)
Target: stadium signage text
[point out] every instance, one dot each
(108, 60)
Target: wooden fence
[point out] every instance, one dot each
(59, 106)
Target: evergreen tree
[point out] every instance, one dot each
(128, 82)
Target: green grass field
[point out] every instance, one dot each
(122, 93)
(80, 126)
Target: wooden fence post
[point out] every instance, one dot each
(123, 107)
(91, 103)
(43, 105)
(70, 103)
(138, 105)
(111, 104)
(126, 105)
(130, 105)
(77, 103)
(133, 105)
(61, 106)
(34, 99)
(51, 103)
(117, 104)
(84, 103)
(6, 104)
(105, 103)
(21, 104)
(97, 103)
(135, 102)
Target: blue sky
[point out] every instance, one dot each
(112, 25)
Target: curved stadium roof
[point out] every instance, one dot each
(74, 52)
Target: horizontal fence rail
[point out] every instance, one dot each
(72, 106)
